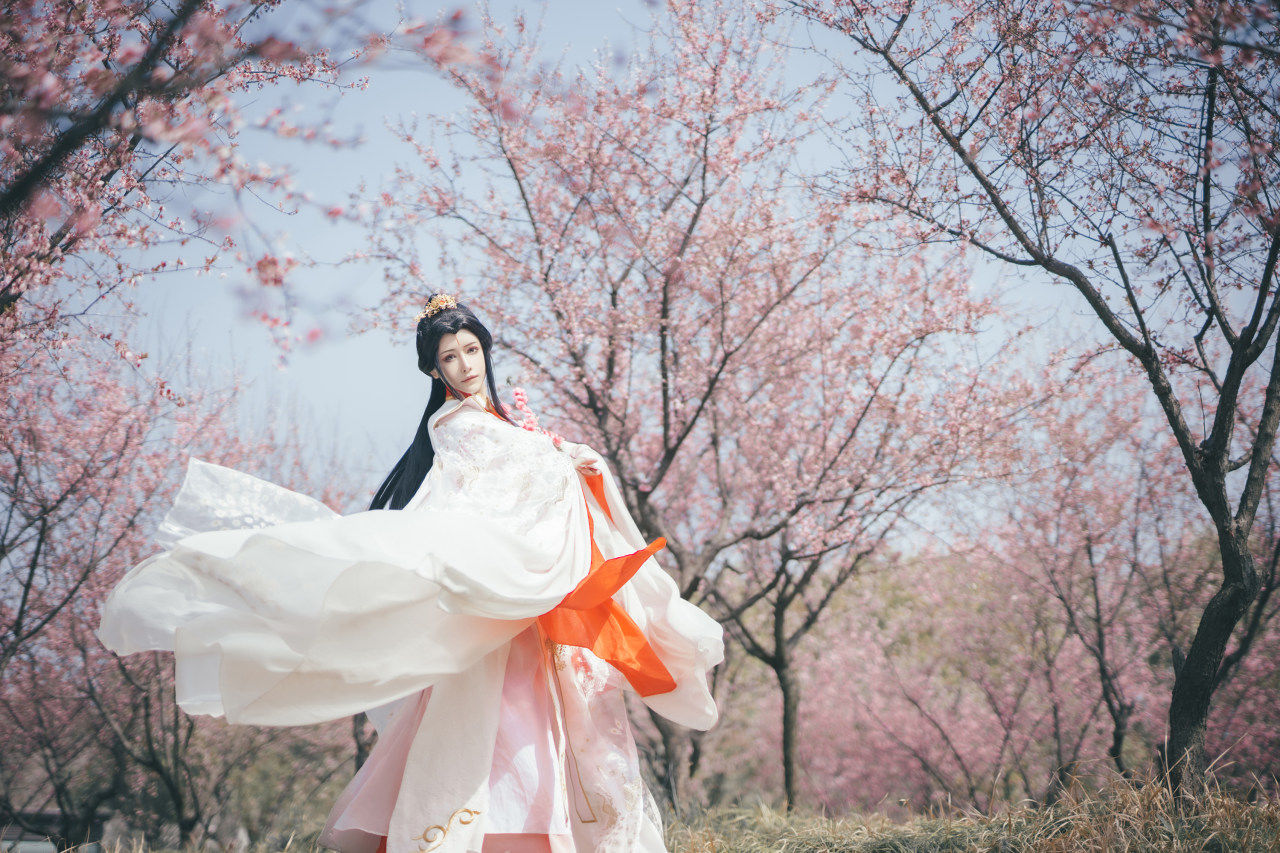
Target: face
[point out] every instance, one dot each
(460, 363)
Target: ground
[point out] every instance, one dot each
(1125, 818)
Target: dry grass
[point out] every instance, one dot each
(1123, 818)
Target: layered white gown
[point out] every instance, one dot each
(281, 612)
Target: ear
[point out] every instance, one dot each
(433, 374)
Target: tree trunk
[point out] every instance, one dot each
(1119, 731)
(364, 736)
(790, 723)
(1195, 680)
(675, 762)
(73, 830)
(187, 826)
(1059, 783)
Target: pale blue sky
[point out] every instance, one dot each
(362, 392)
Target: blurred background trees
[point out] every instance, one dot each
(963, 555)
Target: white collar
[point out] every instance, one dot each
(453, 404)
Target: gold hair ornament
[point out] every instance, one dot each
(438, 303)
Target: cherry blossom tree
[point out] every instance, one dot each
(53, 754)
(75, 435)
(1206, 26)
(91, 457)
(1130, 155)
(109, 109)
(768, 387)
(189, 773)
(87, 732)
(1086, 537)
(1036, 656)
(963, 692)
(64, 442)
(122, 152)
(893, 413)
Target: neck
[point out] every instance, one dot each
(481, 397)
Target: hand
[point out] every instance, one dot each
(586, 460)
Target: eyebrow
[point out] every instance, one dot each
(442, 352)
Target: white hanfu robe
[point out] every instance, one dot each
(281, 612)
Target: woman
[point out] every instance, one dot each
(487, 627)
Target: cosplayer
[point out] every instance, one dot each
(487, 611)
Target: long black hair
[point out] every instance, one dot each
(407, 475)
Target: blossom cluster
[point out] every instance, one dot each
(529, 420)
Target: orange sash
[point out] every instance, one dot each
(589, 617)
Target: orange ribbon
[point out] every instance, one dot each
(588, 616)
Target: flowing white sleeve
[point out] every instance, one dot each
(213, 497)
(281, 612)
(486, 468)
(689, 642)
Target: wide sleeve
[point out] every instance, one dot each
(689, 642)
(213, 497)
(485, 468)
(281, 612)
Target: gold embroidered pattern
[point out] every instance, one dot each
(556, 653)
(433, 836)
(609, 813)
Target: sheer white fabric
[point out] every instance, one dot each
(281, 612)
(217, 498)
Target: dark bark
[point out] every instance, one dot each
(790, 690)
(364, 737)
(674, 765)
(1195, 680)
(1061, 781)
(1119, 731)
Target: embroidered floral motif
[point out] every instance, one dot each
(609, 814)
(217, 498)
(433, 836)
(497, 470)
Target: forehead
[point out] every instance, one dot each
(464, 338)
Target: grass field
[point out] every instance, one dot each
(1124, 818)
